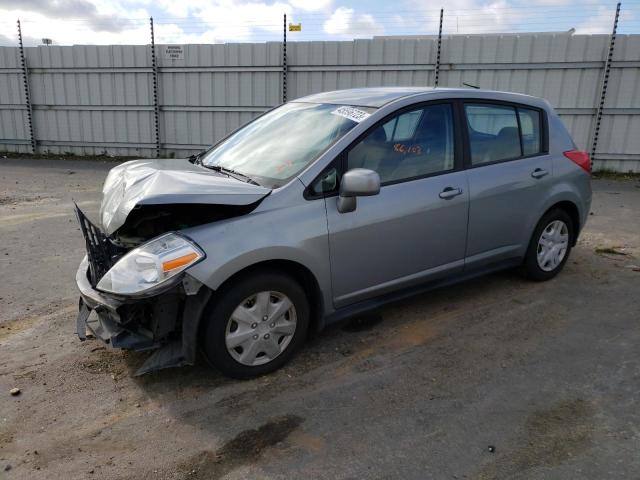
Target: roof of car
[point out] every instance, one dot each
(378, 96)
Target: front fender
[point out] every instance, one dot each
(295, 233)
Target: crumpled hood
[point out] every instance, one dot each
(155, 182)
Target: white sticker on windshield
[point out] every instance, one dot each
(351, 113)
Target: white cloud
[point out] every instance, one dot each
(311, 5)
(69, 22)
(230, 21)
(602, 21)
(344, 21)
(65, 32)
(175, 8)
(491, 18)
(552, 3)
(192, 21)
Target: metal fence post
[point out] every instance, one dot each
(156, 106)
(439, 50)
(27, 94)
(603, 87)
(284, 60)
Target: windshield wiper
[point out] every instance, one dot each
(232, 173)
(194, 158)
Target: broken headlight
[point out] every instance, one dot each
(150, 265)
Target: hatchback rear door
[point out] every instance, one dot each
(509, 172)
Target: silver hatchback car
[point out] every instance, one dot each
(323, 208)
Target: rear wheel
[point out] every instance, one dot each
(256, 324)
(550, 246)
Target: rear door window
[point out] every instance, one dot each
(493, 133)
(502, 132)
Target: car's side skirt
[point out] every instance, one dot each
(402, 294)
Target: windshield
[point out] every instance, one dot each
(281, 143)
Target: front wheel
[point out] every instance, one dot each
(550, 246)
(255, 325)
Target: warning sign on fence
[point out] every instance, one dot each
(174, 52)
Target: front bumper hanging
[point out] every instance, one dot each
(166, 322)
(115, 321)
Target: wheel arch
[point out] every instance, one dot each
(299, 272)
(572, 210)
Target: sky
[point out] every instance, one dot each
(68, 22)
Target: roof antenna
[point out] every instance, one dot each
(469, 85)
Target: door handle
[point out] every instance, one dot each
(450, 192)
(539, 173)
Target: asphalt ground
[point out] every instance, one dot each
(496, 378)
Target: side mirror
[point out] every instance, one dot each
(357, 182)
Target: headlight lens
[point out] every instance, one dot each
(150, 265)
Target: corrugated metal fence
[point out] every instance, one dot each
(99, 99)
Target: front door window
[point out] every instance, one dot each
(410, 145)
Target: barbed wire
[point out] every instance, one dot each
(396, 11)
(591, 15)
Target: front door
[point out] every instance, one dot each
(415, 229)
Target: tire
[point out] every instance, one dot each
(246, 299)
(535, 267)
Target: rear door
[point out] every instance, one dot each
(509, 172)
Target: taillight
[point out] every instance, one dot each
(580, 158)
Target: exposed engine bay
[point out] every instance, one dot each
(147, 221)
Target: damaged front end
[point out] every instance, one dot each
(135, 290)
(163, 319)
